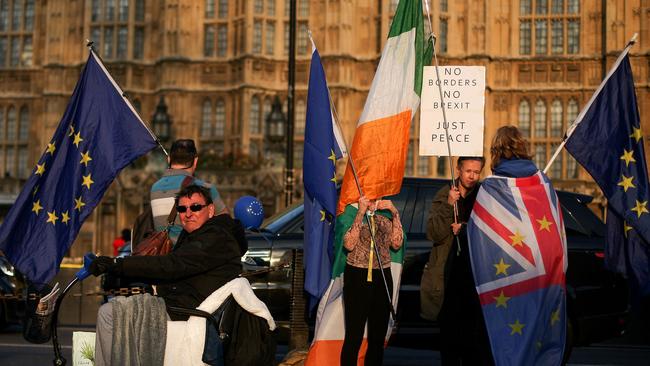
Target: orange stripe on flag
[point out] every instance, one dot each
(379, 154)
(329, 353)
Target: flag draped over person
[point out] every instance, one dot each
(381, 139)
(379, 154)
(323, 145)
(518, 253)
(607, 141)
(99, 134)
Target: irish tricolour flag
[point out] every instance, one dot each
(381, 140)
(379, 153)
(328, 338)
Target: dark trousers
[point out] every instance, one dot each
(363, 301)
(464, 338)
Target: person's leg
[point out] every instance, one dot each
(378, 317)
(356, 296)
(104, 335)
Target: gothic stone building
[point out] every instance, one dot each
(219, 64)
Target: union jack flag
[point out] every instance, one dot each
(518, 252)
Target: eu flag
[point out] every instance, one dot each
(99, 134)
(321, 150)
(518, 252)
(608, 143)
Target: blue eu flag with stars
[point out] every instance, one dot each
(323, 145)
(608, 143)
(99, 134)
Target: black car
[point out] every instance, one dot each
(12, 288)
(597, 299)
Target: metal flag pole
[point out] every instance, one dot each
(445, 124)
(584, 110)
(91, 47)
(367, 217)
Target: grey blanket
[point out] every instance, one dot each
(139, 330)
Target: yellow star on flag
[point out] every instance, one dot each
(626, 228)
(332, 157)
(37, 207)
(628, 157)
(51, 148)
(52, 217)
(501, 267)
(87, 181)
(636, 134)
(516, 327)
(85, 158)
(502, 300)
(35, 190)
(77, 139)
(640, 208)
(78, 204)
(334, 178)
(322, 215)
(626, 183)
(71, 133)
(555, 317)
(40, 169)
(65, 217)
(517, 239)
(544, 224)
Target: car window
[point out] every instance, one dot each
(403, 203)
(578, 218)
(422, 205)
(283, 220)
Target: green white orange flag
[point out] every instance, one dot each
(330, 329)
(381, 140)
(379, 154)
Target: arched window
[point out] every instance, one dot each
(2, 127)
(254, 117)
(408, 171)
(23, 127)
(571, 111)
(209, 8)
(11, 124)
(254, 152)
(300, 118)
(540, 118)
(573, 6)
(524, 117)
(23, 170)
(571, 115)
(206, 119)
(441, 169)
(220, 114)
(556, 119)
(423, 166)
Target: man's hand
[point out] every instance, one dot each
(101, 265)
(456, 228)
(454, 195)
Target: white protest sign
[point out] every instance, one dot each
(463, 90)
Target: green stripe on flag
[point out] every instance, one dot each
(343, 223)
(408, 16)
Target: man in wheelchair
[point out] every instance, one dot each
(205, 257)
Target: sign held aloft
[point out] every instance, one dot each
(463, 89)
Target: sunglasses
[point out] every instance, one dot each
(193, 207)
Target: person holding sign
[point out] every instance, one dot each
(447, 289)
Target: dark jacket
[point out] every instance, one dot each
(436, 272)
(200, 263)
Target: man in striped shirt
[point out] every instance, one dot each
(182, 161)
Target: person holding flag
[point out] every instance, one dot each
(518, 253)
(379, 151)
(364, 296)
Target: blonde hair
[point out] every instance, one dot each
(508, 143)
